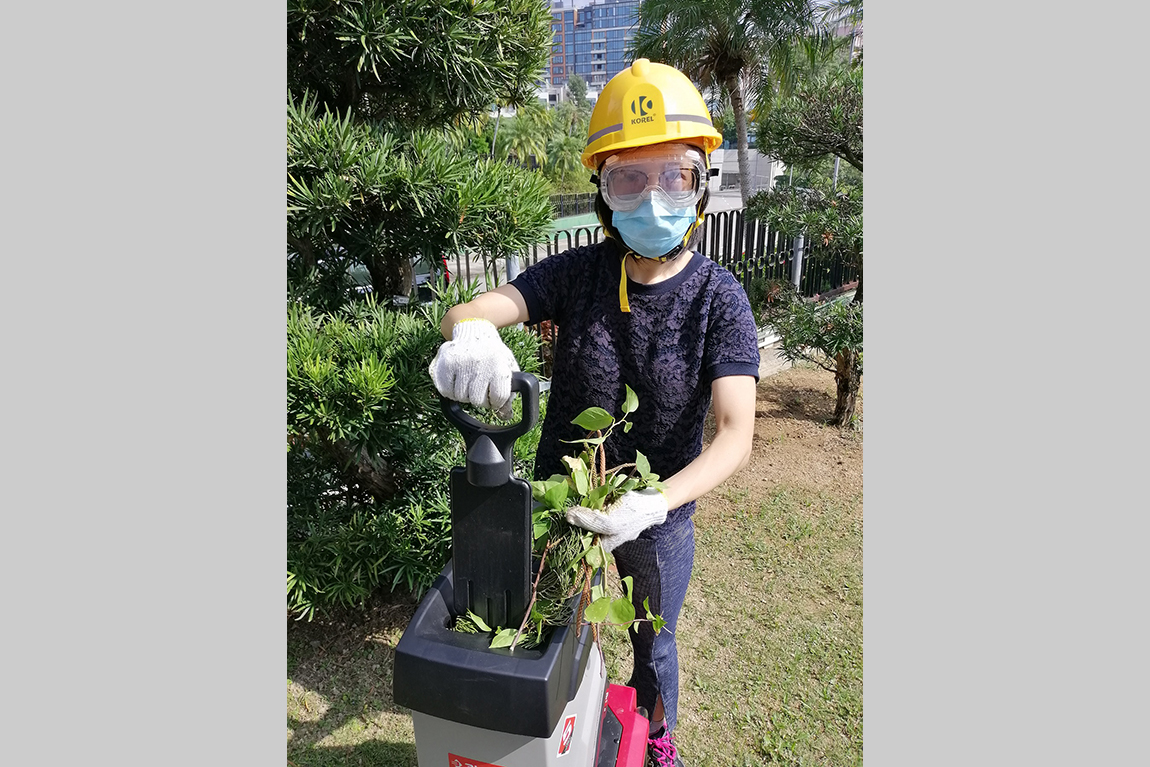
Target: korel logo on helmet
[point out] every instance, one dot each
(642, 107)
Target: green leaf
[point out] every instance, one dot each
(593, 419)
(504, 638)
(596, 612)
(587, 440)
(594, 499)
(597, 591)
(621, 611)
(628, 586)
(556, 495)
(478, 621)
(594, 556)
(631, 402)
(656, 620)
(582, 481)
(627, 427)
(642, 465)
(579, 473)
(539, 529)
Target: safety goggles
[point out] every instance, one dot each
(679, 178)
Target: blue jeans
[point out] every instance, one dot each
(660, 562)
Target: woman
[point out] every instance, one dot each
(640, 309)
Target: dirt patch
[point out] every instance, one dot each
(792, 443)
(770, 637)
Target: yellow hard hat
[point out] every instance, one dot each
(647, 103)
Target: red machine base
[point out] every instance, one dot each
(633, 741)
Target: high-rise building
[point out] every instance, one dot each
(588, 38)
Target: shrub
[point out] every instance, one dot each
(369, 449)
(829, 334)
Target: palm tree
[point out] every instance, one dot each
(565, 152)
(568, 120)
(837, 14)
(843, 12)
(521, 138)
(739, 47)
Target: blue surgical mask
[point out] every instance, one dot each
(652, 229)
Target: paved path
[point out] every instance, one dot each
(771, 361)
(728, 199)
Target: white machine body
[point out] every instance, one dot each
(574, 742)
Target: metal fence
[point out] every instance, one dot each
(749, 249)
(573, 204)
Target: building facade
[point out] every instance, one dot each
(588, 38)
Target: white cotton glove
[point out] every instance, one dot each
(623, 520)
(475, 366)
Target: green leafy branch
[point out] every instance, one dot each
(569, 556)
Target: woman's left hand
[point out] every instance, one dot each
(623, 520)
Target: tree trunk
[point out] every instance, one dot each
(495, 138)
(372, 474)
(847, 381)
(735, 92)
(304, 250)
(389, 279)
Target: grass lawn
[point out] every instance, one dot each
(770, 638)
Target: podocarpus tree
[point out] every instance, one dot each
(382, 166)
(823, 117)
(369, 448)
(829, 334)
(377, 171)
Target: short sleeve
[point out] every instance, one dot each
(547, 286)
(732, 338)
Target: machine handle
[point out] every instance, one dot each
(488, 447)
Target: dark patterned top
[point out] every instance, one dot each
(679, 336)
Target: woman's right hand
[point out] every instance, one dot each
(475, 366)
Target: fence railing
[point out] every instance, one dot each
(749, 249)
(573, 204)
